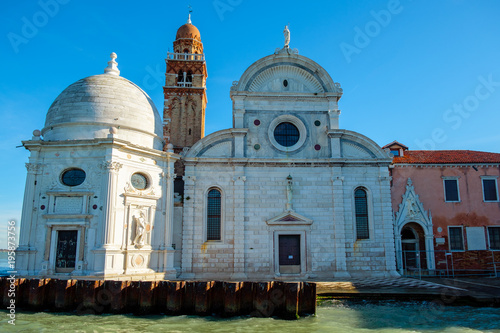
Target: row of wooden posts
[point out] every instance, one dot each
(287, 300)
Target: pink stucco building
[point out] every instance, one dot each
(446, 210)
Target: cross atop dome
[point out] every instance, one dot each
(189, 17)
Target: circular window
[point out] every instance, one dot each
(73, 177)
(139, 181)
(286, 134)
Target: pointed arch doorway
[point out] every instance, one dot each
(414, 238)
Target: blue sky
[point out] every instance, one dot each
(425, 73)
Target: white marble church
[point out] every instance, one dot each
(114, 192)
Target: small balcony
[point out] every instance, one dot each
(184, 84)
(185, 56)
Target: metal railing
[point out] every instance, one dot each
(411, 263)
(185, 56)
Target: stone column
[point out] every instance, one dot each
(239, 228)
(109, 192)
(339, 224)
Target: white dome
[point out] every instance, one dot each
(98, 105)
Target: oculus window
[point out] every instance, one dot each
(286, 134)
(139, 181)
(73, 177)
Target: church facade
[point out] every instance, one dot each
(115, 192)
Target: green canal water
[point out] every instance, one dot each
(332, 316)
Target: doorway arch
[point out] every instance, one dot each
(413, 233)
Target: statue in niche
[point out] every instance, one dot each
(412, 209)
(140, 229)
(286, 32)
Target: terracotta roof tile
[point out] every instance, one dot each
(446, 157)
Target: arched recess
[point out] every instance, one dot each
(411, 216)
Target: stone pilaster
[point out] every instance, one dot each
(239, 228)
(387, 220)
(168, 259)
(28, 220)
(28, 205)
(106, 235)
(188, 227)
(339, 224)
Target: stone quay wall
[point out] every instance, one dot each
(286, 300)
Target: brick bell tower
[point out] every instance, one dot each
(185, 89)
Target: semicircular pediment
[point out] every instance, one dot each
(285, 78)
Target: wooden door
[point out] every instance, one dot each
(289, 254)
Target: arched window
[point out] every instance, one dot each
(361, 207)
(180, 76)
(213, 214)
(189, 76)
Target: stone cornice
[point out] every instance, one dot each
(123, 145)
(250, 162)
(442, 165)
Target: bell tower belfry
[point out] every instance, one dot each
(185, 89)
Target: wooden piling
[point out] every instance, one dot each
(5, 285)
(217, 298)
(262, 307)
(160, 296)
(231, 299)
(291, 300)
(63, 292)
(87, 297)
(307, 299)
(37, 294)
(175, 296)
(133, 296)
(146, 299)
(277, 297)
(202, 297)
(246, 298)
(117, 291)
(22, 293)
(189, 298)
